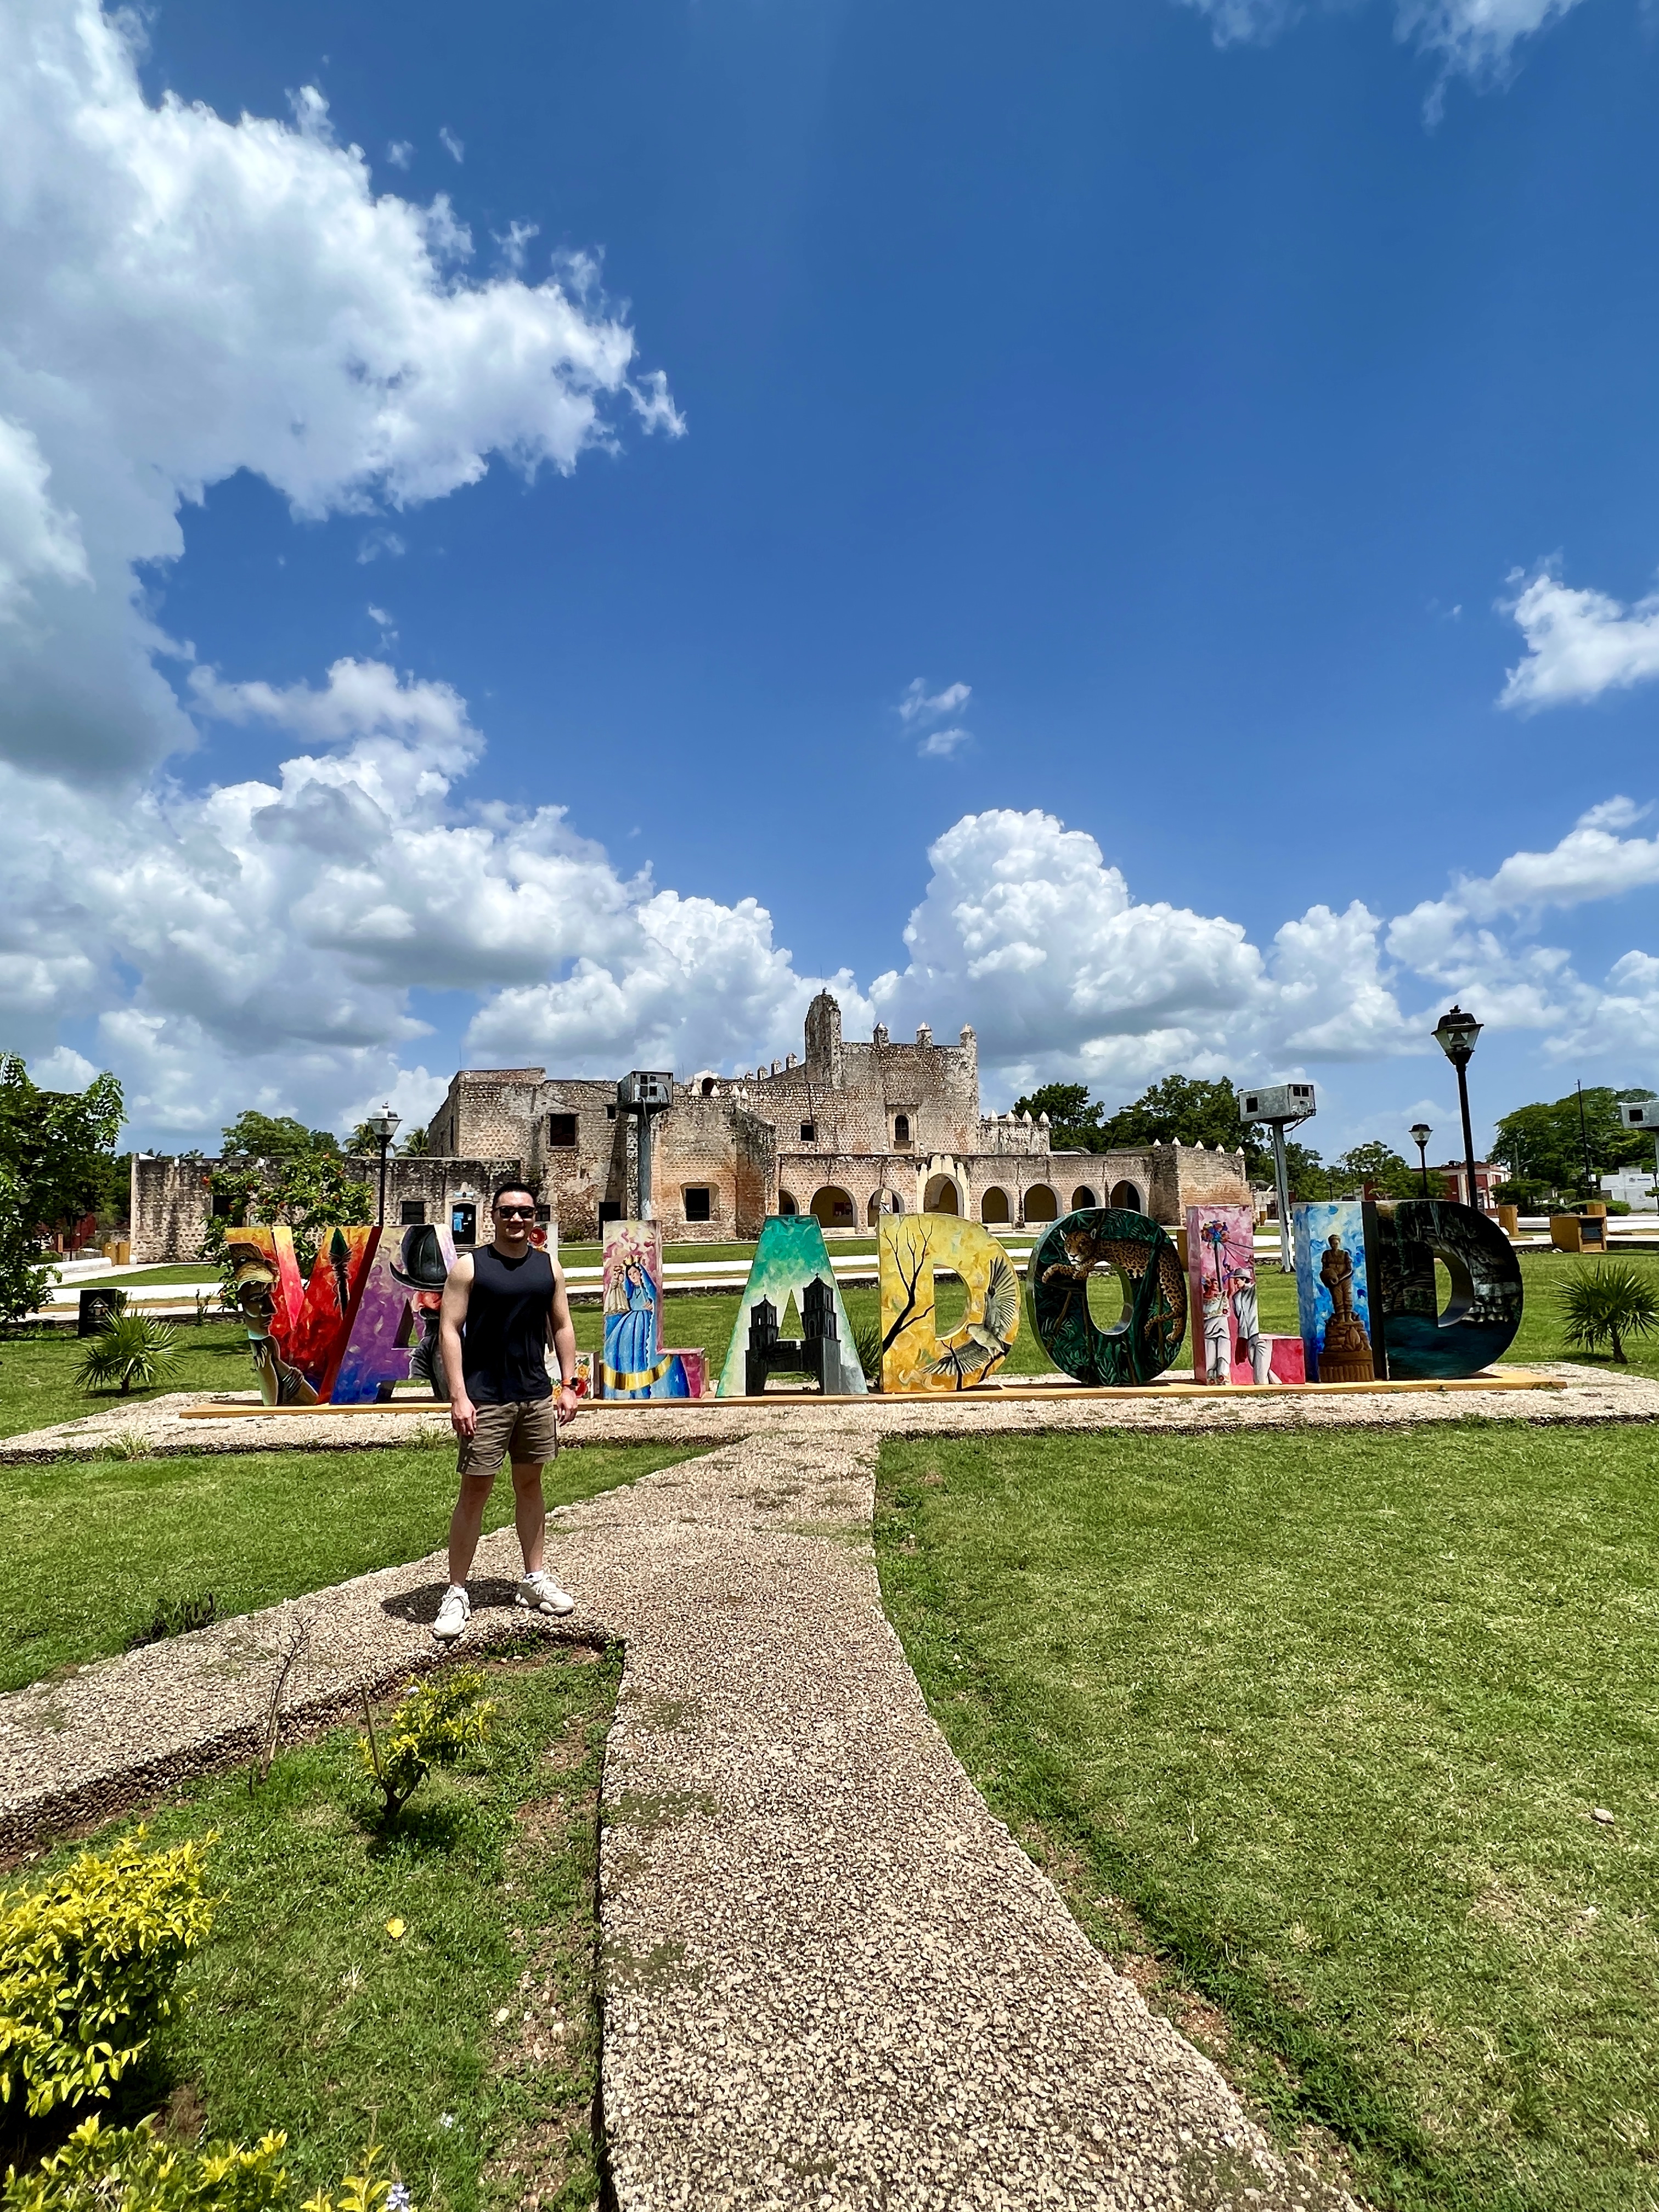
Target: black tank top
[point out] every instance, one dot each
(504, 1341)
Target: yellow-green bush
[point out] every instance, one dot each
(434, 1725)
(137, 2170)
(87, 1966)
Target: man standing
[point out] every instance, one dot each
(502, 1306)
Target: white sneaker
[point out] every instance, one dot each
(453, 1615)
(541, 1594)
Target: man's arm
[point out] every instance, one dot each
(561, 1335)
(452, 1313)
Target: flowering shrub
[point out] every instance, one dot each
(87, 1966)
(137, 2170)
(434, 1725)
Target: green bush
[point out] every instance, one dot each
(434, 1725)
(87, 1967)
(130, 1348)
(138, 2170)
(1604, 1303)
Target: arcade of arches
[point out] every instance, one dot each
(834, 1207)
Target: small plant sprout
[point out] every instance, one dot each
(1606, 1302)
(132, 1351)
(434, 1726)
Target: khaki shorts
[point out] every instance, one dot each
(527, 1431)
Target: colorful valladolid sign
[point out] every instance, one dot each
(1366, 1296)
(1229, 1344)
(635, 1363)
(367, 1318)
(791, 1261)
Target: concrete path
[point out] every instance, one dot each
(830, 1978)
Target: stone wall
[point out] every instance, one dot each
(172, 1198)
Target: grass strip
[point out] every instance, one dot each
(467, 2043)
(1326, 1720)
(96, 1547)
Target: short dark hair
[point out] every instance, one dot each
(502, 1189)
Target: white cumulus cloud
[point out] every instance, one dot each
(186, 297)
(1579, 643)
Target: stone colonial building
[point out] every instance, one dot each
(849, 1132)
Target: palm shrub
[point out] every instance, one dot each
(130, 1349)
(88, 1962)
(1607, 1301)
(867, 1342)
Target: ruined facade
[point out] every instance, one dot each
(849, 1132)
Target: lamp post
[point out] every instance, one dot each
(1421, 1134)
(385, 1126)
(1456, 1034)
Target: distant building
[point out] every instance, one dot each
(1634, 1185)
(1452, 1181)
(851, 1132)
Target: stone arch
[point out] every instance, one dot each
(1125, 1195)
(941, 1195)
(993, 1208)
(874, 1211)
(1041, 1204)
(1082, 1197)
(787, 1204)
(833, 1207)
(709, 1086)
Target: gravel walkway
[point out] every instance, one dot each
(1584, 1393)
(831, 1980)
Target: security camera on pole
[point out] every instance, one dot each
(645, 1092)
(1280, 1106)
(1642, 1114)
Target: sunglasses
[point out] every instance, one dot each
(516, 1213)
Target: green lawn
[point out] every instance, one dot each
(1321, 1723)
(306, 2014)
(93, 1544)
(37, 1373)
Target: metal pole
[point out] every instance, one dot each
(1468, 1137)
(644, 1164)
(1583, 1139)
(1286, 1264)
(1423, 1163)
(380, 1218)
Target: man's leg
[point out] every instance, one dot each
(466, 1521)
(535, 1441)
(529, 1512)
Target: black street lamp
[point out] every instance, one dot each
(1456, 1034)
(1421, 1134)
(385, 1126)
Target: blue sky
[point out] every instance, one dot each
(1175, 402)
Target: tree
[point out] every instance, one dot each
(1305, 1172)
(1545, 1144)
(57, 1150)
(1185, 1109)
(417, 1145)
(307, 1194)
(1377, 1167)
(1073, 1122)
(59, 1143)
(256, 1136)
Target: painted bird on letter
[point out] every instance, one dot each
(988, 1340)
